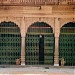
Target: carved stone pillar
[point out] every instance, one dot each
(22, 50)
(22, 42)
(56, 54)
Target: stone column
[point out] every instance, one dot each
(22, 42)
(22, 50)
(56, 54)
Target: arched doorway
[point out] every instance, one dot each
(10, 43)
(67, 44)
(39, 44)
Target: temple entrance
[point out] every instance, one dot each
(10, 43)
(39, 44)
(67, 44)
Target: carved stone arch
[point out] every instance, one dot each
(15, 20)
(65, 21)
(29, 21)
(39, 22)
(50, 24)
(11, 19)
(49, 21)
(28, 25)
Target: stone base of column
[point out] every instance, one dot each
(56, 64)
(22, 64)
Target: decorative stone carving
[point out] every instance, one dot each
(65, 20)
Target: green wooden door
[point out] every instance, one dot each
(10, 43)
(67, 44)
(39, 44)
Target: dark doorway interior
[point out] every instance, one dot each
(41, 49)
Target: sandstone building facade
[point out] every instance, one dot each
(18, 16)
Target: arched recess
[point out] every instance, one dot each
(67, 44)
(39, 43)
(10, 43)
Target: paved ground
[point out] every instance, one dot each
(37, 71)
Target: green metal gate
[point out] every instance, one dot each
(10, 43)
(39, 45)
(67, 44)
